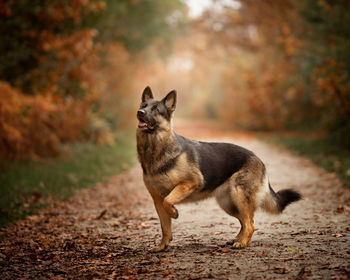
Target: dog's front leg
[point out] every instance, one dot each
(179, 193)
(165, 223)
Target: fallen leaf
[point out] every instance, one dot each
(293, 249)
(144, 225)
(167, 273)
(299, 233)
(216, 233)
(263, 254)
(101, 214)
(224, 250)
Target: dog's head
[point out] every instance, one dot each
(155, 115)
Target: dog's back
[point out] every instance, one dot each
(216, 161)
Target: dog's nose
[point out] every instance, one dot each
(141, 113)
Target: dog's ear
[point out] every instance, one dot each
(147, 94)
(170, 101)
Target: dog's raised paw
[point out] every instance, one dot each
(171, 210)
(175, 213)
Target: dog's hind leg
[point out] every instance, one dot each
(235, 203)
(165, 223)
(247, 228)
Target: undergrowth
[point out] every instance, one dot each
(25, 185)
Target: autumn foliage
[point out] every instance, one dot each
(73, 70)
(46, 65)
(32, 126)
(63, 64)
(274, 65)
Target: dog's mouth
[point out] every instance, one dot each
(145, 125)
(142, 124)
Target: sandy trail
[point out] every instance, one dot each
(106, 232)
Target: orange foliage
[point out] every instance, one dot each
(76, 55)
(251, 64)
(35, 126)
(332, 88)
(60, 88)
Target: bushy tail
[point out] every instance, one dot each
(276, 202)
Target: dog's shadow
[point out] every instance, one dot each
(192, 247)
(200, 248)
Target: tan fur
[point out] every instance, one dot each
(165, 222)
(238, 198)
(181, 184)
(161, 139)
(240, 195)
(267, 203)
(170, 188)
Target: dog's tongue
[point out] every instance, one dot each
(142, 124)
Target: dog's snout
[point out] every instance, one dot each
(141, 113)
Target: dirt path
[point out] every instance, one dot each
(105, 232)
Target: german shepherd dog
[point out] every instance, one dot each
(176, 169)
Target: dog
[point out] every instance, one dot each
(176, 169)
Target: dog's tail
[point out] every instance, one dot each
(275, 203)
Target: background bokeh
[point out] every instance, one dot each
(73, 71)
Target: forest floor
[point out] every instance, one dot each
(106, 232)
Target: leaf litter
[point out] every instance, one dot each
(106, 233)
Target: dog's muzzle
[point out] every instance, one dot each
(141, 113)
(143, 124)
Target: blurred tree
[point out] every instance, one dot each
(51, 68)
(288, 64)
(46, 44)
(324, 63)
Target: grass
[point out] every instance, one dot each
(25, 185)
(321, 151)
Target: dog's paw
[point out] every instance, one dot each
(175, 213)
(160, 248)
(171, 210)
(238, 245)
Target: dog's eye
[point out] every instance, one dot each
(155, 108)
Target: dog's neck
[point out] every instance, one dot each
(152, 148)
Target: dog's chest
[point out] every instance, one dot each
(159, 185)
